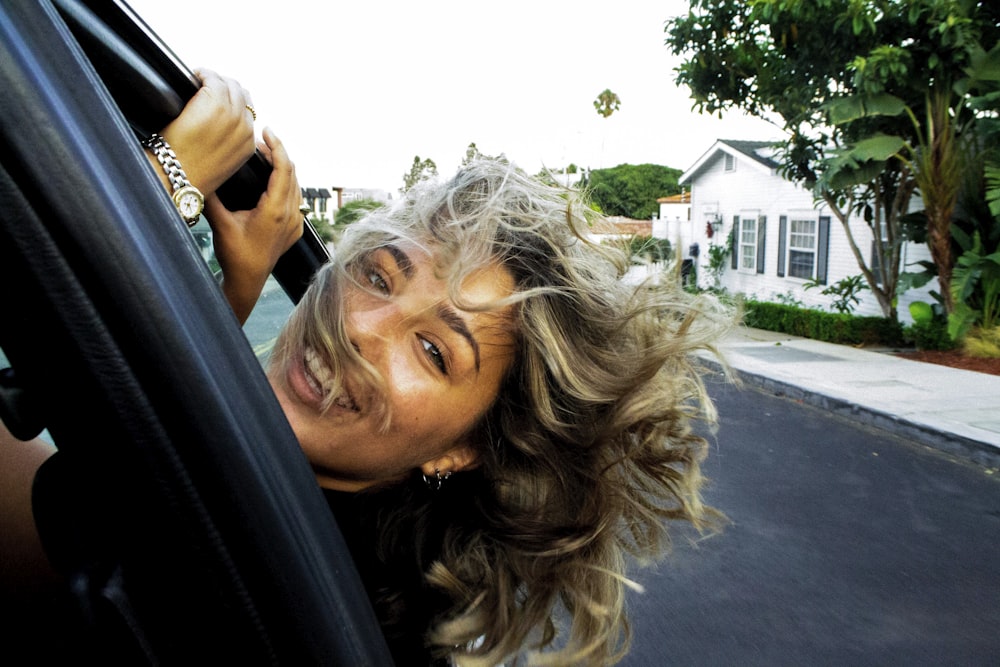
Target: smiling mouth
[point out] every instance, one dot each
(320, 380)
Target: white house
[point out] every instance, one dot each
(782, 239)
(674, 219)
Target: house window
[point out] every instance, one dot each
(730, 163)
(802, 248)
(748, 244)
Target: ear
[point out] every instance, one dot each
(458, 458)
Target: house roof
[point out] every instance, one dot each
(757, 154)
(682, 198)
(618, 225)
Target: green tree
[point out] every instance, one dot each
(420, 170)
(607, 103)
(632, 190)
(353, 211)
(472, 152)
(322, 226)
(788, 61)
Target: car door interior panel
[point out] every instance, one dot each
(179, 506)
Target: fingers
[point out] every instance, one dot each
(231, 100)
(214, 135)
(283, 183)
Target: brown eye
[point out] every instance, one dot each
(435, 355)
(376, 281)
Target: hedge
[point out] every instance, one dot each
(839, 328)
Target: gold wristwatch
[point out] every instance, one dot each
(187, 198)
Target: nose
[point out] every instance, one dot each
(369, 331)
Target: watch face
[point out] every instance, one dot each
(189, 202)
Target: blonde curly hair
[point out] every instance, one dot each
(585, 453)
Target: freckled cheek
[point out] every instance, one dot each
(411, 396)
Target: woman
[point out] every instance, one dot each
(497, 418)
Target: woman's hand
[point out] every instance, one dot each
(213, 137)
(249, 243)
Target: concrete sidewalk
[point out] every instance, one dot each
(950, 409)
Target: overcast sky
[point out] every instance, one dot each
(357, 88)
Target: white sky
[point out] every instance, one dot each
(357, 88)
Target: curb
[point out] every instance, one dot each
(971, 450)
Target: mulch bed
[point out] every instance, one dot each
(954, 359)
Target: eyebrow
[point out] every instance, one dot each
(458, 325)
(444, 313)
(402, 260)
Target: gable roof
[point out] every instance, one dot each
(757, 154)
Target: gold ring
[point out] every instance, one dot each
(305, 208)
(252, 112)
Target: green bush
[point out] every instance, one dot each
(930, 334)
(982, 342)
(839, 328)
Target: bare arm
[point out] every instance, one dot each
(213, 136)
(24, 569)
(249, 243)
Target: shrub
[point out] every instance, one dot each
(839, 328)
(982, 342)
(930, 334)
(929, 330)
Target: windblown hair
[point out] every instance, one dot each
(588, 448)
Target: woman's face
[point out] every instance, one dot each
(442, 369)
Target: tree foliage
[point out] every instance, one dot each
(802, 64)
(354, 210)
(472, 152)
(607, 103)
(420, 170)
(632, 190)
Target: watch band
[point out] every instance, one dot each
(175, 174)
(168, 160)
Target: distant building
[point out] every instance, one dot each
(353, 194)
(325, 202)
(620, 226)
(318, 199)
(781, 238)
(674, 220)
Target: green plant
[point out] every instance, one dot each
(983, 343)
(831, 327)
(322, 226)
(717, 256)
(353, 211)
(975, 290)
(845, 290)
(645, 249)
(788, 299)
(929, 330)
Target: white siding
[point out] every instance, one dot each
(752, 189)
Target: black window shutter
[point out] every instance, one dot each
(761, 242)
(735, 263)
(822, 249)
(782, 231)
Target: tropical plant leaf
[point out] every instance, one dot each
(877, 147)
(854, 107)
(993, 189)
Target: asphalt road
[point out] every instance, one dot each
(848, 546)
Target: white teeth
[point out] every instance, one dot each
(344, 401)
(320, 377)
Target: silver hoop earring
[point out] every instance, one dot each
(435, 483)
